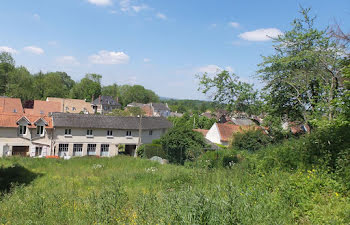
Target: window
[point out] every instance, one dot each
(63, 147)
(14, 110)
(67, 108)
(41, 112)
(104, 149)
(67, 131)
(150, 132)
(109, 133)
(91, 149)
(22, 129)
(73, 109)
(89, 132)
(40, 130)
(78, 149)
(38, 151)
(128, 133)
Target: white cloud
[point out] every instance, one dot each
(146, 60)
(36, 16)
(106, 57)
(34, 49)
(53, 43)
(124, 5)
(213, 69)
(233, 24)
(101, 2)
(161, 16)
(8, 49)
(67, 60)
(261, 34)
(138, 8)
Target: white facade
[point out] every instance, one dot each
(213, 134)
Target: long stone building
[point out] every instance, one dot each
(67, 134)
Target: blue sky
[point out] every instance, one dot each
(160, 44)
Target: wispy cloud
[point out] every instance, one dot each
(213, 69)
(146, 60)
(106, 57)
(67, 60)
(261, 34)
(8, 49)
(139, 8)
(34, 49)
(36, 16)
(161, 16)
(101, 2)
(233, 24)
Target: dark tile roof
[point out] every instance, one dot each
(160, 107)
(112, 122)
(106, 100)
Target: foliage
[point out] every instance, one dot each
(89, 87)
(150, 150)
(136, 93)
(251, 140)
(227, 89)
(191, 106)
(178, 140)
(130, 111)
(195, 121)
(303, 75)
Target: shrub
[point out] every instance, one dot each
(250, 140)
(151, 150)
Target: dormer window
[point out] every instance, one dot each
(73, 109)
(40, 130)
(22, 129)
(41, 112)
(14, 110)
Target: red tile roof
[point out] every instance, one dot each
(148, 110)
(227, 129)
(202, 131)
(10, 119)
(43, 108)
(10, 105)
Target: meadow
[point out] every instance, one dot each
(125, 190)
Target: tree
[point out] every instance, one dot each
(226, 88)
(7, 64)
(88, 87)
(178, 140)
(130, 111)
(20, 84)
(110, 90)
(137, 93)
(302, 76)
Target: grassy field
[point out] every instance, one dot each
(125, 190)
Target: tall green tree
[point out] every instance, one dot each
(110, 90)
(226, 88)
(137, 93)
(20, 84)
(88, 87)
(303, 75)
(7, 65)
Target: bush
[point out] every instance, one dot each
(250, 140)
(151, 150)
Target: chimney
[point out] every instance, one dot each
(99, 99)
(117, 99)
(92, 98)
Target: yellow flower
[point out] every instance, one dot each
(336, 194)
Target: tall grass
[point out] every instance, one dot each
(124, 190)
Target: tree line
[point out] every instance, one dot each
(18, 82)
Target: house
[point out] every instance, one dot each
(221, 133)
(296, 127)
(105, 104)
(68, 105)
(79, 134)
(70, 134)
(25, 135)
(40, 107)
(153, 109)
(242, 121)
(10, 105)
(160, 109)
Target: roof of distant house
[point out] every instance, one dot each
(227, 129)
(147, 109)
(67, 105)
(202, 131)
(160, 106)
(105, 100)
(10, 105)
(11, 119)
(112, 122)
(43, 108)
(243, 121)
